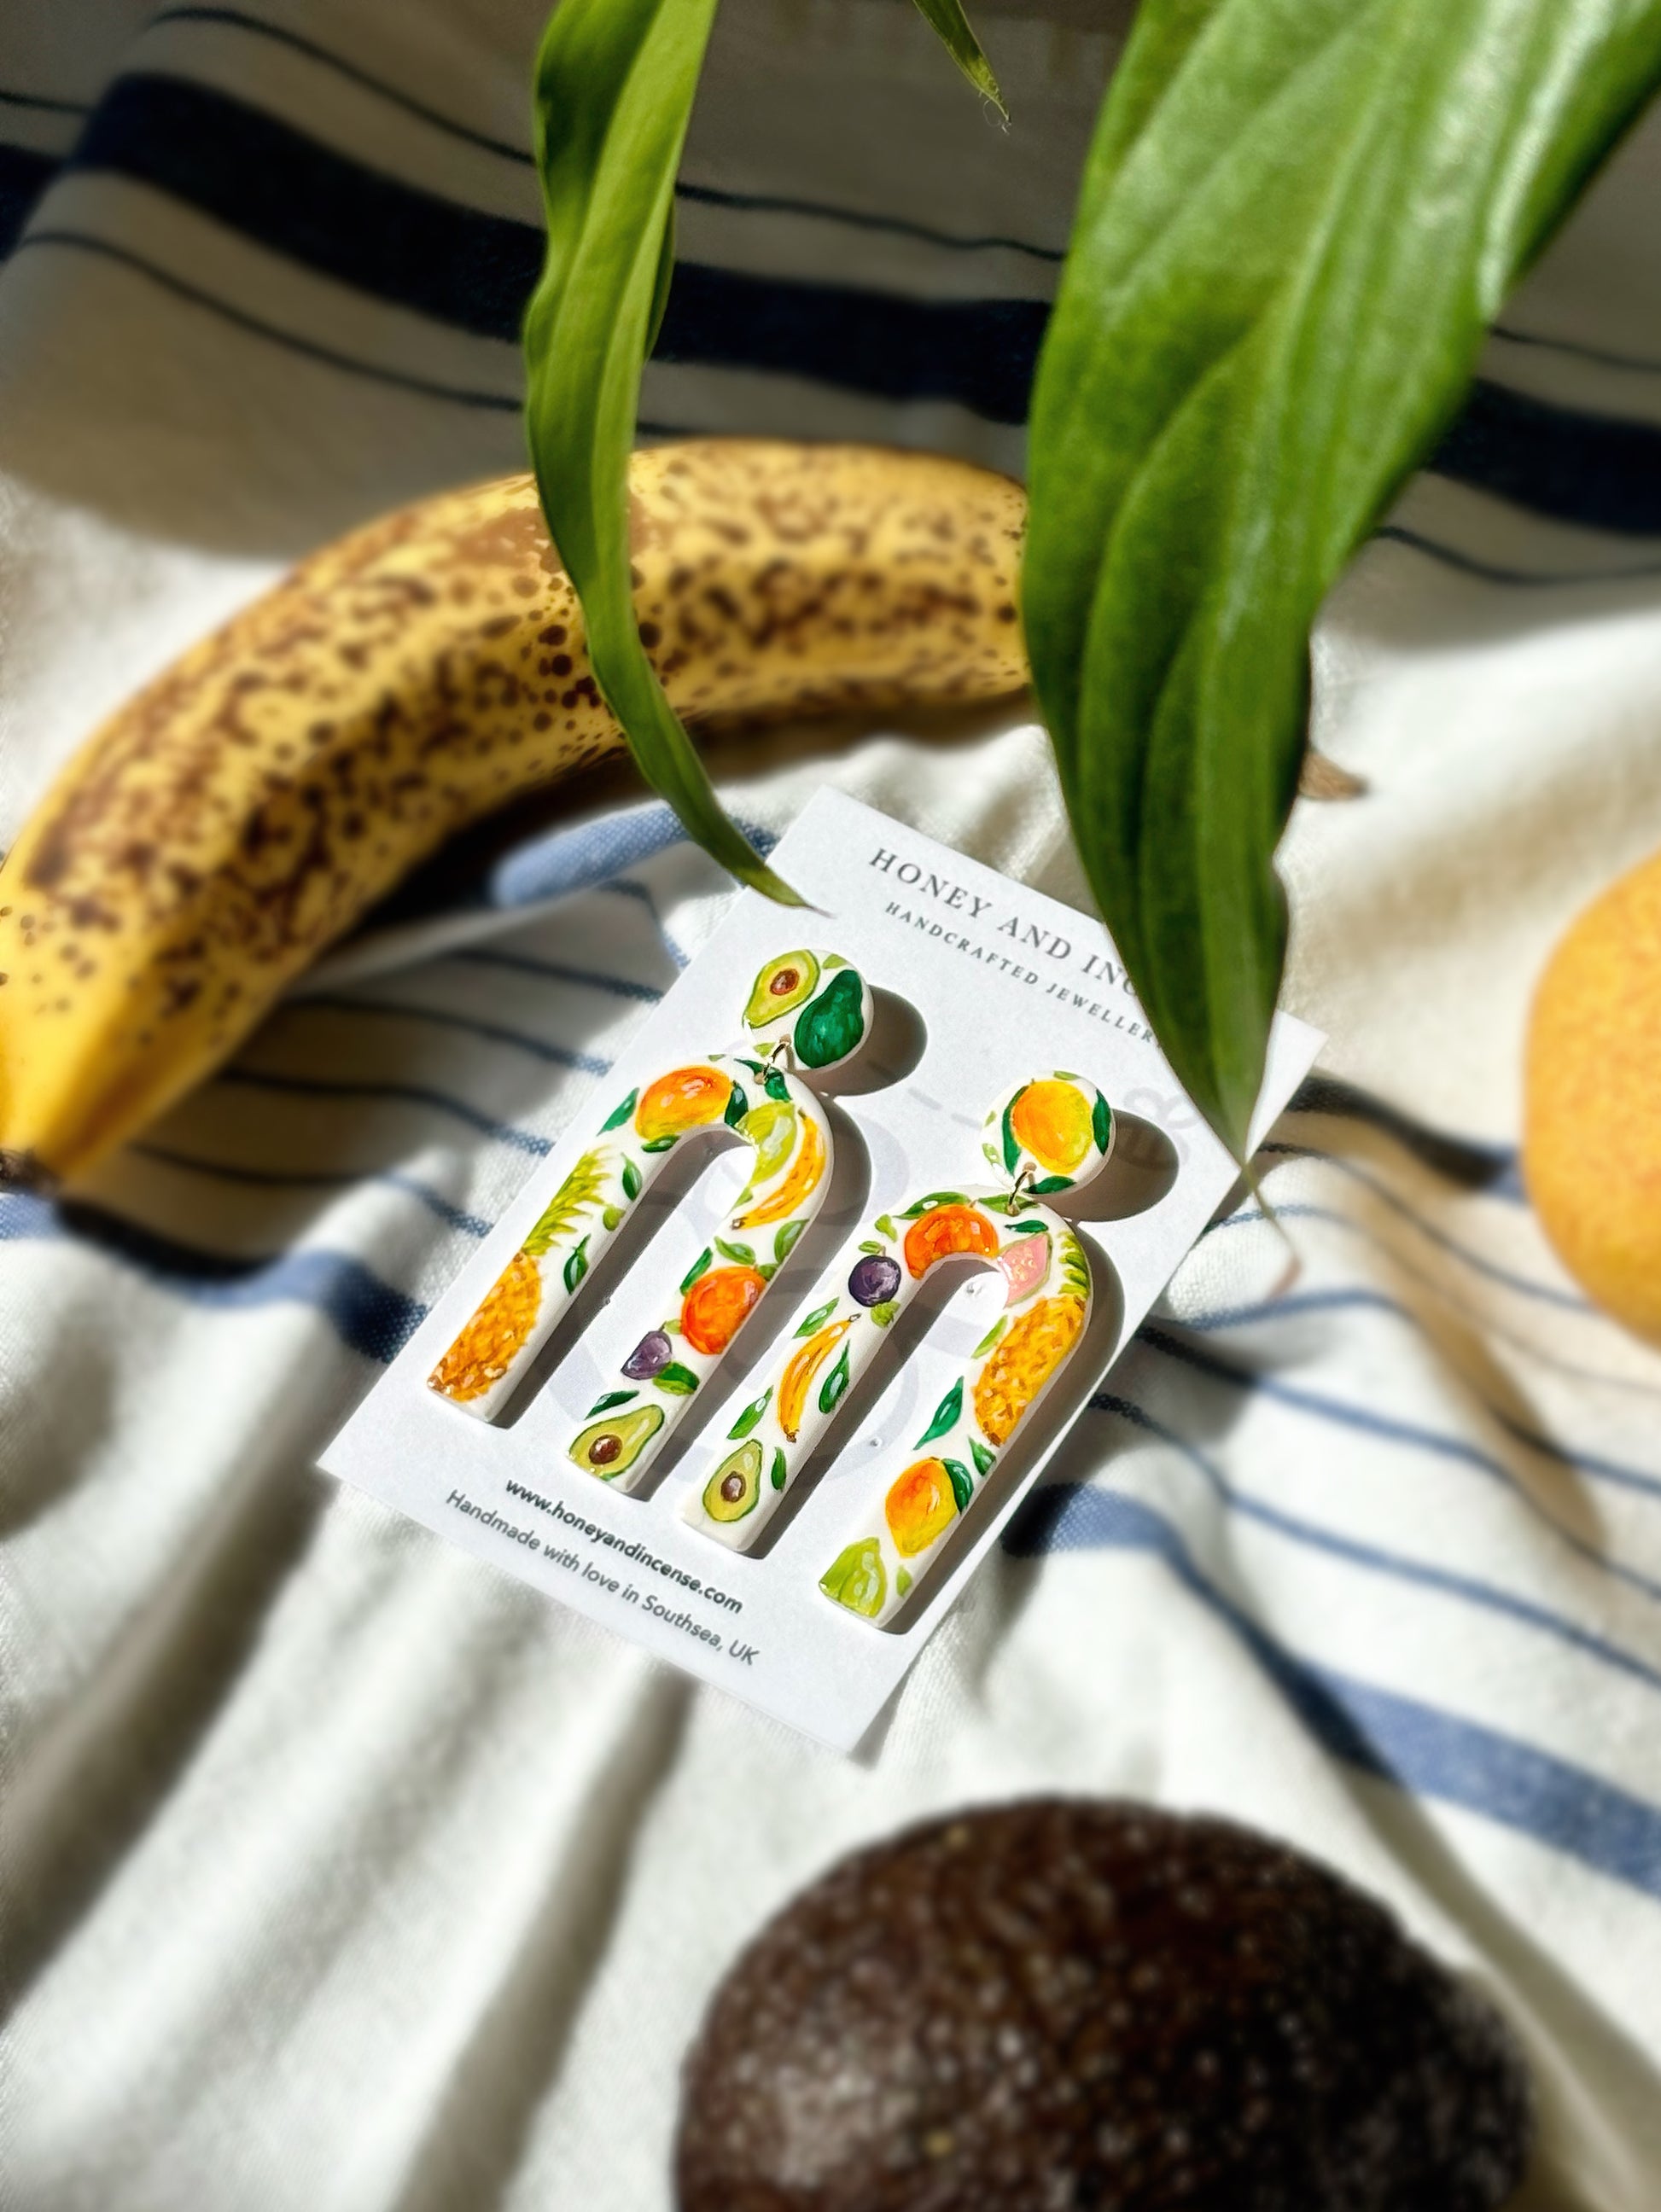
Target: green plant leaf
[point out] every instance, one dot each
(604, 1405)
(752, 1413)
(947, 18)
(619, 1114)
(630, 1180)
(963, 1483)
(741, 1256)
(576, 1265)
(784, 1243)
(835, 1385)
(779, 1471)
(1297, 218)
(818, 1318)
(985, 1454)
(613, 89)
(679, 1382)
(699, 1266)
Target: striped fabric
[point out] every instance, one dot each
(352, 1876)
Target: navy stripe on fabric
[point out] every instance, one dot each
(397, 1094)
(555, 971)
(557, 1055)
(1422, 1748)
(456, 1216)
(1389, 1430)
(279, 34)
(425, 387)
(24, 175)
(1474, 1161)
(1395, 1566)
(1575, 466)
(367, 1314)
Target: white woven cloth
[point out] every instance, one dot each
(345, 1875)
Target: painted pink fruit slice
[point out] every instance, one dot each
(1024, 1267)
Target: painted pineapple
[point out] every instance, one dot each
(1024, 1362)
(491, 1341)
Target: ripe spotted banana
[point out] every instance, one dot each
(245, 808)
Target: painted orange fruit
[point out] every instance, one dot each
(1024, 1362)
(718, 1305)
(946, 1229)
(688, 1099)
(488, 1347)
(1051, 1120)
(920, 1507)
(798, 1186)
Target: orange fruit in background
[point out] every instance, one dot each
(947, 1230)
(1051, 1120)
(799, 1184)
(920, 1505)
(690, 1098)
(718, 1305)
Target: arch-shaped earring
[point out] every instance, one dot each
(1049, 1134)
(807, 1010)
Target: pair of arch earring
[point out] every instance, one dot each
(808, 1013)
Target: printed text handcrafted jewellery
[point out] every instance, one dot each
(1050, 1135)
(806, 1010)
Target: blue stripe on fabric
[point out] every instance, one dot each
(456, 1216)
(626, 888)
(555, 971)
(399, 1094)
(1476, 1162)
(1294, 1303)
(367, 1314)
(279, 34)
(1422, 1748)
(1547, 1293)
(557, 1055)
(585, 857)
(24, 175)
(474, 271)
(423, 388)
(1373, 1558)
(1389, 1430)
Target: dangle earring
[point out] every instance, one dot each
(1050, 1134)
(807, 1011)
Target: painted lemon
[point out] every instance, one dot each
(689, 1099)
(1052, 1120)
(921, 1506)
(771, 1128)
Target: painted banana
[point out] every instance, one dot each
(244, 809)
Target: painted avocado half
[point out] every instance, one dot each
(828, 1028)
(781, 988)
(606, 1448)
(733, 1489)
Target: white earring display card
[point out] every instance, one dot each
(774, 1342)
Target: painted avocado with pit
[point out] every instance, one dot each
(784, 985)
(606, 1448)
(734, 1487)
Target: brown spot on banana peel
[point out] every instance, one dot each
(242, 811)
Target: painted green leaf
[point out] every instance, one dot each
(658, 1144)
(611, 1398)
(775, 1086)
(1029, 1228)
(963, 1483)
(883, 1226)
(741, 1256)
(818, 1318)
(619, 1114)
(767, 1269)
(1012, 1143)
(752, 1413)
(738, 1105)
(946, 1413)
(630, 1180)
(1101, 1123)
(832, 960)
(948, 19)
(902, 1582)
(613, 89)
(884, 1311)
(576, 1265)
(784, 1241)
(699, 1266)
(991, 1337)
(873, 1245)
(835, 1385)
(983, 1455)
(679, 1382)
(779, 1471)
(1296, 222)
(927, 1205)
(612, 1216)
